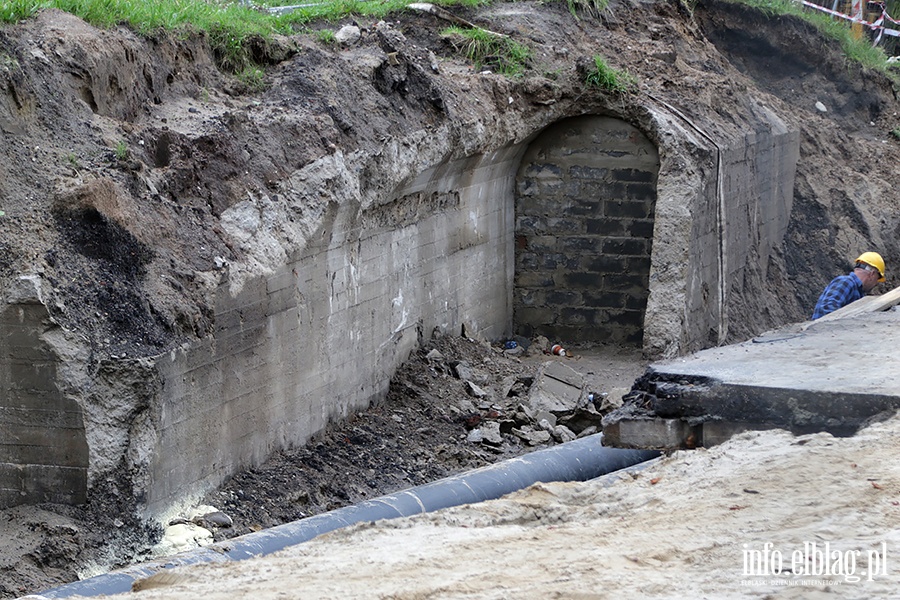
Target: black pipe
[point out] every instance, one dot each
(579, 460)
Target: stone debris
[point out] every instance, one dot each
(182, 537)
(347, 35)
(215, 519)
(474, 390)
(544, 403)
(445, 429)
(563, 434)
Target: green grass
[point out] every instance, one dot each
(228, 24)
(896, 132)
(857, 50)
(326, 36)
(604, 77)
(207, 15)
(121, 150)
(253, 78)
(591, 7)
(487, 50)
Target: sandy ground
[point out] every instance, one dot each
(399, 443)
(765, 515)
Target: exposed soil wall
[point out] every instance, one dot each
(221, 260)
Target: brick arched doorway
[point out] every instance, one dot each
(585, 202)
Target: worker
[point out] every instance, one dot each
(868, 271)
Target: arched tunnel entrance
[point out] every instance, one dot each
(584, 212)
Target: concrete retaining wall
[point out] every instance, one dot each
(315, 328)
(323, 335)
(43, 450)
(738, 220)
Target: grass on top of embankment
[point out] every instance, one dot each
(228, 23)
(242, 18)
(857, 49)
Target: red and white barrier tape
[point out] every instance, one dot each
(877, 25)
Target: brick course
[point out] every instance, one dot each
(587, 207)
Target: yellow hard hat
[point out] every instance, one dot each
(874, 259)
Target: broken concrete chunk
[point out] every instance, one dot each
(588, 431)
(464, 371)
(465, 406)
(531, 437)
(558, 389)
(474, 390)
(541, 345)
(613, 399)
(581, 419)
(644, 432)
(25, 290)
(347, 35)
(517, 351)
(563, 434)
(434, 355)
(216, 519)
(563, 373)
(491, 434)
(546, 416)
(507, 385)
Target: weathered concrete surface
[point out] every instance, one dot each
(320, 337)
(43, 452)
(821, 376)
(260, 267)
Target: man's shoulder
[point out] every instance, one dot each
(847, 279)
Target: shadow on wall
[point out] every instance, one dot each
(43, 449)
(585, 201)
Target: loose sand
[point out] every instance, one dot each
(697, 524)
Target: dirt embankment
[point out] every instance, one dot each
(115, 171)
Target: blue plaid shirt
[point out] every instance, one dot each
(842, 290)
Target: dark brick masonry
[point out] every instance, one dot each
(585, 199)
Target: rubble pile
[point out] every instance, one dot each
(455, 404)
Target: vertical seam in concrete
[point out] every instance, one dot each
(720, 219)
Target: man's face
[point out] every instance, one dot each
(869, 278)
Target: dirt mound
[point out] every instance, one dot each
(115, 172)
(427, 428)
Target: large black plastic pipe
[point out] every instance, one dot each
(579, 460)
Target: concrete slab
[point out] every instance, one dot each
(833, 375)
(558, 389)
